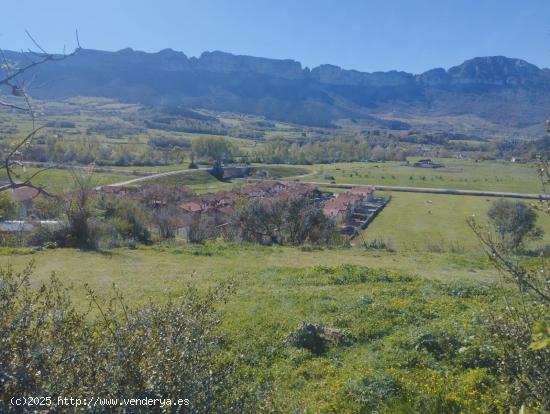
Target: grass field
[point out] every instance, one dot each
(278, 171)
(156, 270)
(459, 174)
(202, 182)
(199, 181)
(434, 222)
(60, 180)
(384, 313)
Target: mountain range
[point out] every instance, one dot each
(501, 90)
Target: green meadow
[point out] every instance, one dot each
(458, 174)
(435, 222)
(389, 308)
(61, 180)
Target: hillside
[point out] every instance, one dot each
(499, 90)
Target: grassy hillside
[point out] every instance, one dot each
(161, 269)
(406, 342)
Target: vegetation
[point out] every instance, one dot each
(313, 326)
(513, 221)
(293, 221)
(518, 323)
(375, 357)
(175, 351)
(8, 206)
(214, 149)
(279, 151)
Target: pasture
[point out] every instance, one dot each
(435, 222)
(458, 174)
(384, 306)
(62, 180)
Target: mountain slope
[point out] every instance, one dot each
(499, 89)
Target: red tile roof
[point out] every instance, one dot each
(341, 203)
(25, 193)
(191, 206)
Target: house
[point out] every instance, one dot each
(230, 173)
(364, 191)
(342, 207)
(427, 163)
(24, 196)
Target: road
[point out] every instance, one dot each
(481, 193)
(152, 177)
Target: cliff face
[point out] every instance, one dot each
(497, 88)
(222, 62)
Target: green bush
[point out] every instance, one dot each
(373, 392)
(49, 348)
(439, 344)
(8, 206)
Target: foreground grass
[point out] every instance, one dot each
(164, 270)
(402, 348)
(410, 323)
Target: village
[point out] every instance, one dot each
(351, 210)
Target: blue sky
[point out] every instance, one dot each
(368, 35)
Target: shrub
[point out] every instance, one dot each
(440, 344)
(128, 218)
(513, 221)
(8, 206)
(479, 356)
(374, 392)
(316, 338)
(379, 244)
(47, 208)
(49, 348)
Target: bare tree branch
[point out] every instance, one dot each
(40, 190)
(12, 106)
(11, 78)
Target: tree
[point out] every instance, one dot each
(80, 231)
(513, 221)
(8, 207)
(14, 95)
(126, 217)
(284, 221)
(216, 149)
(517, 320)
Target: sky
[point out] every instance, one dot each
(367, 35)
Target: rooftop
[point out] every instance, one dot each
(25, 193)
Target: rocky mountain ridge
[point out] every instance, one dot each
(496, 88)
